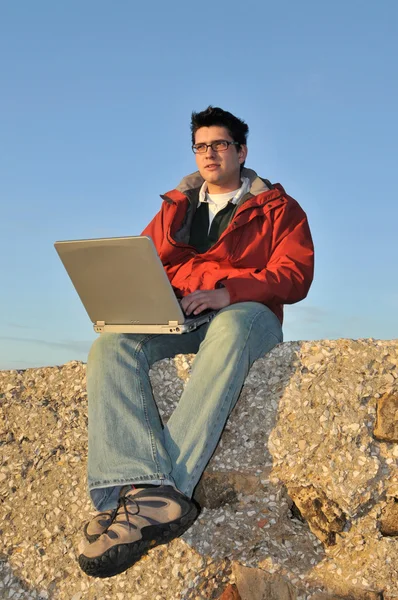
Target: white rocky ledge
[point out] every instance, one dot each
(299, 500)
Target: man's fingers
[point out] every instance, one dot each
(196, 307)
(200, 300)
(191, 302)
(200, 308)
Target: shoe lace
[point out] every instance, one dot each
(125, 502)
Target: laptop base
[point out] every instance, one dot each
(171, 327)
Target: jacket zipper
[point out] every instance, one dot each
(194, 252)
(233, 223)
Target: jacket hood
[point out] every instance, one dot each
(195, 180)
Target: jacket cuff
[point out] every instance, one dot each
(225, 283)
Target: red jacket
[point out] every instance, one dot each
(264, 255)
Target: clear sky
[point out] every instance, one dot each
(95, 104)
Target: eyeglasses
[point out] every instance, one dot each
(216, 146)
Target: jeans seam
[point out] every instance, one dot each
(123, 481)
(194, 471)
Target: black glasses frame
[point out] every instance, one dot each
(195, 150)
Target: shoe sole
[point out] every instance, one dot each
(119, 558)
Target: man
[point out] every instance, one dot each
(229, 241)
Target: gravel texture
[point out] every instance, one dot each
(300, 443)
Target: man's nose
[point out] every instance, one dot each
(210, 151)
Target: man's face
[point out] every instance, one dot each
(221, 170)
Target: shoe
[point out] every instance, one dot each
(145, 518)
(102, 520)
(100, 523)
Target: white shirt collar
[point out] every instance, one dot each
(244, 188)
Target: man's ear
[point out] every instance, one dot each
(242, 153)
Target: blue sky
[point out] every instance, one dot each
(95, 106)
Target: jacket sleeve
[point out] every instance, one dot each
(155, 230)
(288, 274)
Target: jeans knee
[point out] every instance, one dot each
(105, 346)
(228, 326)
(233, 320)
(238, 321)
(110, 349)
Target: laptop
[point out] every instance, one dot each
(124, 287)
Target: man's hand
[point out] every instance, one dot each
(198, 301)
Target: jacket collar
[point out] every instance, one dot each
(195, 180)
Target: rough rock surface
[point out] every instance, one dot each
(299, 500)
(387, 418)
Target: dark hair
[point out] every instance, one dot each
(213, 115)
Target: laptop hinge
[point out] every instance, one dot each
(173, 323)
(99, 326)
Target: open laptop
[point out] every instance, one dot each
(124, 287)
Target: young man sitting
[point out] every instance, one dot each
(231, 241)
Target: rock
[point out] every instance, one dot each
(325, 596)
(357, 596)
(293, 500)
(349, 593)
(254, 584)
(387, 418)
(324, 517)
(230, 593)
(216, 489)
(389, 519)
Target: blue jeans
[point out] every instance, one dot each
(127, 442)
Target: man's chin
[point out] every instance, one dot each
(212, 177)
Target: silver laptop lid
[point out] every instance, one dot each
(120, 281)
